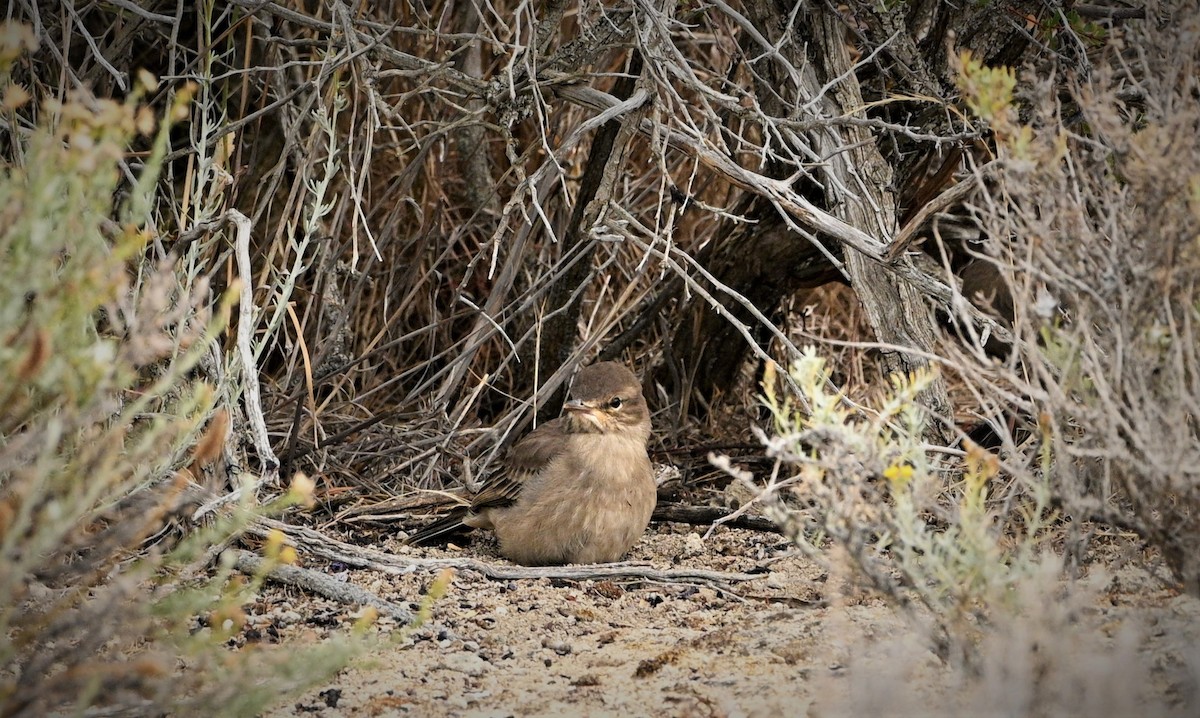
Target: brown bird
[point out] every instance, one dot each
(578, 489)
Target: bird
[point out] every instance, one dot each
(578, 489)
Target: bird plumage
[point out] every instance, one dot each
(579, 489)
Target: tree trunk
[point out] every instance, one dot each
(858, 188)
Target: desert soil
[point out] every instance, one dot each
(795, 642)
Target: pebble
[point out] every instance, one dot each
(1186, 606)
(693, 545)
(562, 648)
(40, 591)
(287, 618)
(468, 663)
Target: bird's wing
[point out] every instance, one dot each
(451, 523)
(525, 459)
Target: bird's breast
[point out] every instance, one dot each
(588, 505)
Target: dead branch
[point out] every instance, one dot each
(246, 324)
(702, 515)
(318, 544)
(319, 583)
(955, 195)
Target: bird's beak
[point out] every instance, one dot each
(587, 412)
(576, 405)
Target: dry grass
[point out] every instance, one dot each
(440, 234)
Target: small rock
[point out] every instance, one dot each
(40, 591)
(562, 648)
(608, 589)
(287, 618)
(467, 663)
(1186, 606)
(693, 545)
(737, 494)
(331, 697)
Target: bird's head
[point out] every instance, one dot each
(606, 398)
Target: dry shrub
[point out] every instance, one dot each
(412, 171)
(1090, 216)
(1092, 219)
(100, 409)
(1045, 661)
(968, 559)
(858, 478)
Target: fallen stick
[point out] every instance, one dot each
(314, 543)
(702, 515)
(319, 583)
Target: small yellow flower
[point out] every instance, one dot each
(147, 80)
(275, 539)
(287, 555)
(898, 475)
(301, 490)
(15, 96)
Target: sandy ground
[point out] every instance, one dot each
(796, 642)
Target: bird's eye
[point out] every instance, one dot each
(615, 403)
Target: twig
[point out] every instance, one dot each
(944, 200)
(132, 7)
(780, 192)
(250, 387)
(403, 60)
(118, 77)
(245, 332)
(701, 515)
(319, 583)
(1093, 12)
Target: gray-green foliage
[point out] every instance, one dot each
(868, 486)
(101, 408)
(1090, 220)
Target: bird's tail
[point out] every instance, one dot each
(447, 526)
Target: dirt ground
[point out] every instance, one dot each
(795, 642)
